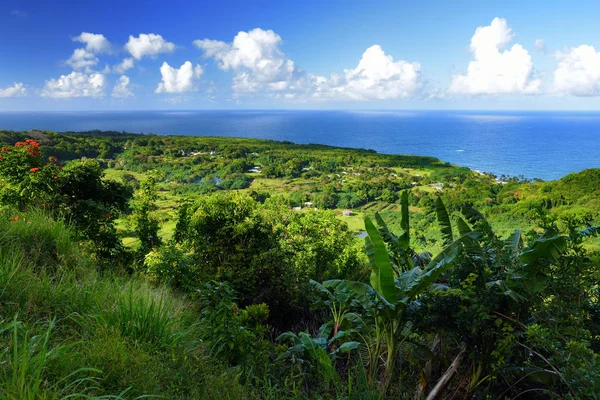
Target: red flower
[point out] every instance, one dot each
(0, 157)
(60, 167)
(53, 159)
(107, 215)
(15, 218)
(34, 170)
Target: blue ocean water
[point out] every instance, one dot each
(546, 145)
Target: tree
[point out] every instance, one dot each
(145, 223)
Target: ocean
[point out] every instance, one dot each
(545, 145)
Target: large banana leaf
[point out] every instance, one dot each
(444, 221)
(382, 274)
(548, 249)
(471, 245)
(462, 226)
(437, 266)
(408, 277)
(386, 234)
(472, 215)
(357, 287)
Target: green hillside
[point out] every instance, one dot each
(143, 266)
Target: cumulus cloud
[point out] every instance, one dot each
(254, 56)
(85, 58)
(76, 84)
(148, 45)
(16, 89)
(377, 77)
(496, 69)
(125, 65)
(578, 72)
(121, 89)
(180, 80)
(82, 59)
(94, 42)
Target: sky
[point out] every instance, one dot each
(145, 55)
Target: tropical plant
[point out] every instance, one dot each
(383, 323)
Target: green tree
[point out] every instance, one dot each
(145, 223)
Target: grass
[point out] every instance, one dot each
(67, 330)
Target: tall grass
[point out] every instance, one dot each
(142, 315)
(85, 334)
(40, 240)
(26, 358)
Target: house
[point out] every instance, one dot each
(308, 204)
(347, 213)
(256, 169)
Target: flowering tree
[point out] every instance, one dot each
(78, 192)
(30, 178)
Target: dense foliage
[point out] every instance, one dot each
(200, 267)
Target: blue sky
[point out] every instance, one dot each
(517, 55)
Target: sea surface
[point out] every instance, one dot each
(546, 145)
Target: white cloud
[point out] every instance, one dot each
(125, 65)
(148, 45)
(82, 59)
(121, 89)
(377, 77)
(15, 90)
(85, 58)
(76, 84)
(94, 42)
(254, 56)
(178, 80)
(258, 63)
(578, 72)
(494, 69)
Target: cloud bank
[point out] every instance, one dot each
(258, 63)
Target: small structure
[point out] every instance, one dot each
(255, 170)
(308, 204)
(297, 208)
(347, 213)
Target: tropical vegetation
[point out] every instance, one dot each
(141, 266)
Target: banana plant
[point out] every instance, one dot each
(382, 324)
(402, 256)
(313, 351)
